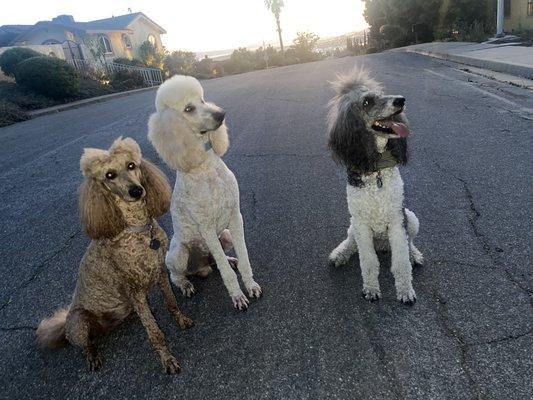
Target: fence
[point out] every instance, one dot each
(151, 76)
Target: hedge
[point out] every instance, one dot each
(48, 76)
(9, 59)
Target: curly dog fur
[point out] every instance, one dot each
(120, 198)
(190, 135)
(367, 133)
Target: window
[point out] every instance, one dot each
(152, 40)
(105, 44)
(127, 41)
(507, 8)
(530, 8)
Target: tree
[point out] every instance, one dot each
(180, 62)
(150, 55)
(275, 7)
(422, 20)
(304, 46)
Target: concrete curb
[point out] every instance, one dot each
(511, 69)
(84, 102)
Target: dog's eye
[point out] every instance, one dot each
(110, 175)
(189, 109)
(131, 166)
(368, 102)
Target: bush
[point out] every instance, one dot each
(134, 62)
(9, 59)
(48, 76)
(126, 80)
(23, 98)
(10, 113)
(93, 88)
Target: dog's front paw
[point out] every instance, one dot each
(184, 284)
(171, 365)
(95, 361)
(406, 296)
(185, 322)
(240, 301)
(253, 288)
(371, 294)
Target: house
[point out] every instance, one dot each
(518, 15)
(120, 36)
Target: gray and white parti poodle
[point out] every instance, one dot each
(367, 134)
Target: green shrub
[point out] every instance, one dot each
(10, 113)
(126, 80)
(9, 59)
(134, 62)
(93, 88)
(48, 76)
(23, 98)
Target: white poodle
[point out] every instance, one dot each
(190, 135)
(367, 133)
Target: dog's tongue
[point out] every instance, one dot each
(400, 129)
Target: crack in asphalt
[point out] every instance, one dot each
(503, 339)
(490, 341)
(442, 310)
(38, 270)
(17, 328)
(480, 236)
(376, 343)
(464, 347)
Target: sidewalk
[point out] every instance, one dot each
(506, 58)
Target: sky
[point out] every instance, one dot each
(204, 25)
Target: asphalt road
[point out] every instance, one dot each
(311, 336)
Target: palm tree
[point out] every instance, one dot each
(275, 7)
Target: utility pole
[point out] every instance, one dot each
(499, 19)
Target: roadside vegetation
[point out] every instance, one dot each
(36, 81)
(396, 23)
(39, 81)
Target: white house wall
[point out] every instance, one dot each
(141, 29)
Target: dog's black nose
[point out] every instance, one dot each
(399, 102)
(219, 116)
(135, 192)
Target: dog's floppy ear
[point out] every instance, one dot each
(176, 146)
(348, 139)
(157, 188)
(100, 216)
(220, 140)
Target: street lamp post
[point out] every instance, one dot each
(499, 19)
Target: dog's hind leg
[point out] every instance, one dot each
(176, 260)
(80, 330)
(237, 228)
(227, 244)
(348, 247)
(412, 230)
